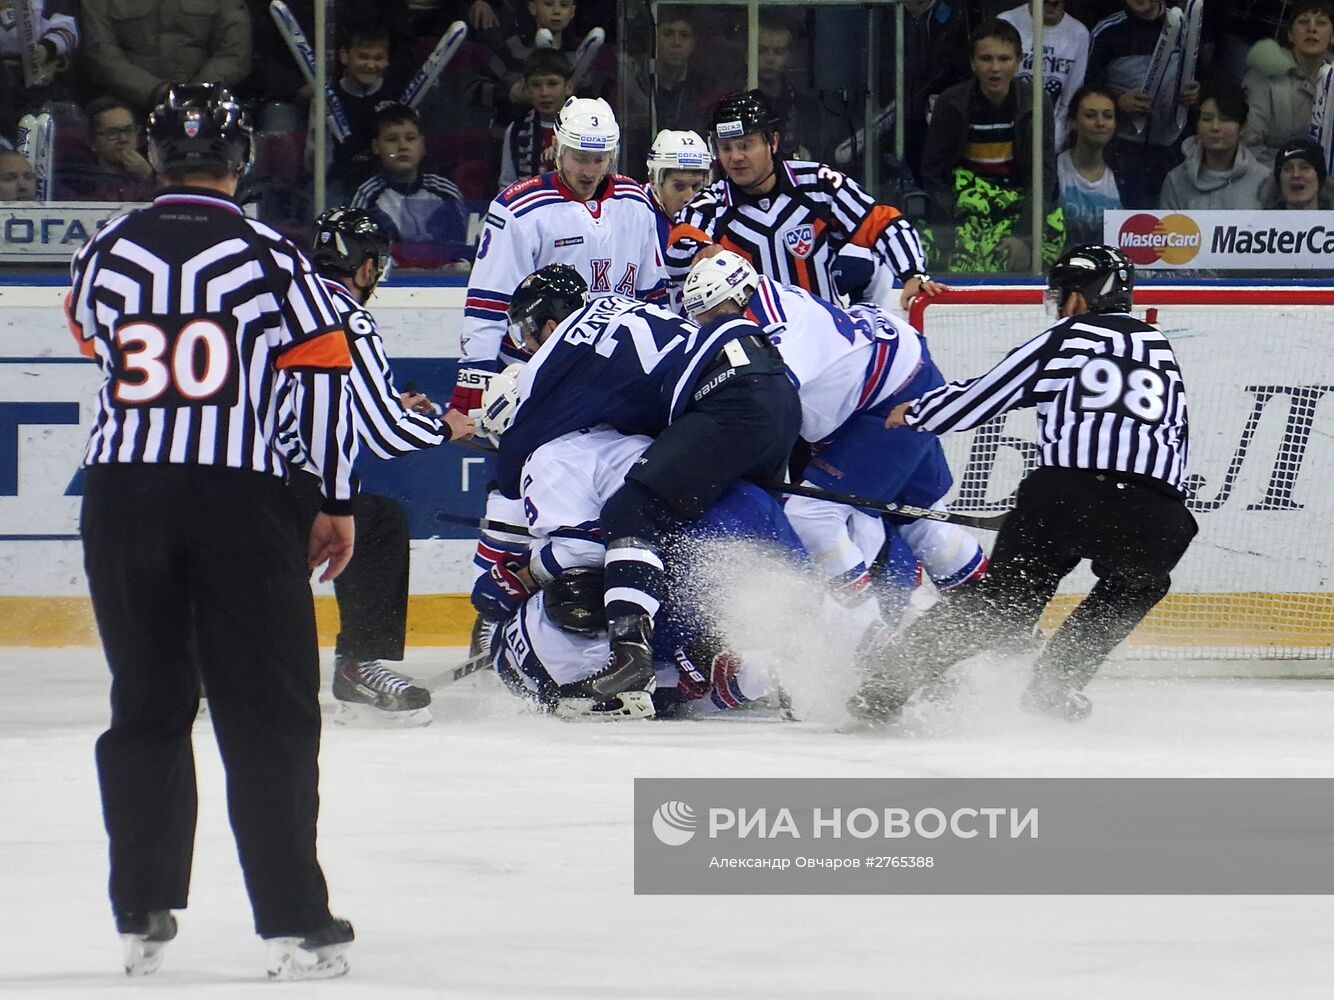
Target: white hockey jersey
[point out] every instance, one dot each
(844, 361)
(612, 241)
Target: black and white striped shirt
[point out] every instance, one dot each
(385, 427)
(207, 326)
(794, 232)
(1108, 392)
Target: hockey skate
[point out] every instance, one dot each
(143, 936)
(623, 689)
(317, 955)
(370, 692)
(1055, 698)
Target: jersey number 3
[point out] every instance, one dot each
(187, 365)
(1124, 387)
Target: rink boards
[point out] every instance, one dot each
(47, 390)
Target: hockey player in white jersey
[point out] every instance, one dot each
(557, 636)
(678, 168)
(582, 214)
(850, 367)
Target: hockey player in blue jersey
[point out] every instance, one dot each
(717, 399)
(851, 367)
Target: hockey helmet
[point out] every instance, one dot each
(500, 401)
(741, 114)
(199, 126)
(1102, 274)
(551, 292)
(345, 238)
(588, 124)
(722, 277)
(677, 150)
(574, 601)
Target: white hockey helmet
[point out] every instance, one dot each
(588, 124)
(723, 276)
(677, 150)
(500, 401)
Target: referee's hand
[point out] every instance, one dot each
(331, 541)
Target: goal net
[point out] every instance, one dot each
(1258, 581)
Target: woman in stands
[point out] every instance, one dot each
(1089, 186)
(1219, 172)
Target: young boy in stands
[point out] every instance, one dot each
(119, 171)
(422, 212)
(365, 83)
(528, 148)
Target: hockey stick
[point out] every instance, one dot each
(469, 666)
(26, 22)
(584, 54)
(36, 141)
(485, 523)
(991, 523)
(301, 50)
(445, 50)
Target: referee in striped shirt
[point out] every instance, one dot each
(1112, 433)
(207, 325)
(351, 254)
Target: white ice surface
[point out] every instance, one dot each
(489, 855)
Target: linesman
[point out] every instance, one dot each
(1112, 447)
(206, 325)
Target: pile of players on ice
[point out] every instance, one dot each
(632, 437)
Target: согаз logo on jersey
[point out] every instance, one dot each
(674, 823)
(799, 240)
(1147, 239)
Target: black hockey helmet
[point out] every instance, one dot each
(551, 292)
(741, 114)
(198, 126)
(345, 238)
(1102, 274)
(574, 603)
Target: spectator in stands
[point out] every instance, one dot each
(1089, 187)
(1299, 181)
(1065, 53)
(935, 55)
(795, 107)
(136, 49)
(501, 86)
(17, 181)
(1219, 171)
(977, 164)
(682, 98)
(1280, 85)
(119, 171)
(528, 149)
(57, 41)
(1147, 130)
(423, 212)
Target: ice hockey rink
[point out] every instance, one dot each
(490, 854)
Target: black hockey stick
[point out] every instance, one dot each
(485, 523)
(986, 523)
(991, 523)
(469, 666)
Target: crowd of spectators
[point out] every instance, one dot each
(1236, 139)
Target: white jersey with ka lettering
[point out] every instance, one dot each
(842, 361)
(612, 241)
(565, 483)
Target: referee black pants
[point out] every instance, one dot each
(200, 572)
(372, 590)
(1133, 533)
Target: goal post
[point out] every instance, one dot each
(1258, 581)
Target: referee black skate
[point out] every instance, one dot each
(207, 325)
(1111, 407)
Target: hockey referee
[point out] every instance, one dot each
(1112, 442)
(206, 325)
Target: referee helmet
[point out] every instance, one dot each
(199, 127)
(345, 238)
(1102, 274)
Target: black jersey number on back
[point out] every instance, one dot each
(189, 363)
(1121, 386)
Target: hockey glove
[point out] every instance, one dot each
(498, 594)
(468, 389)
